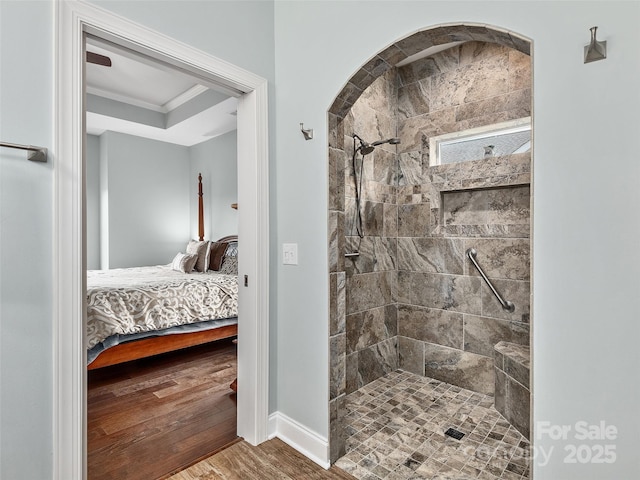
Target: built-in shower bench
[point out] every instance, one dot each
(512, 393)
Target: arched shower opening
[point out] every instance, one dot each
(418, 340)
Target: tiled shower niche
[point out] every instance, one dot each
(411, 300)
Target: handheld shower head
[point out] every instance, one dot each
(390, 141)
(366, 148)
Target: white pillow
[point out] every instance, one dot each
(184, 262)
(201, 249)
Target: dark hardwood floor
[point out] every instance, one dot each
(151, 418)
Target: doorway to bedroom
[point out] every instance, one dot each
(161, 187)
(77, 21)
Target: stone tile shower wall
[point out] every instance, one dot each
(363, 326)
(378, 320)
(448, 320)
(371, 325)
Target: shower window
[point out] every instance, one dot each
(480, 143)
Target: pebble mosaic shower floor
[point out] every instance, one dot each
(396, 424)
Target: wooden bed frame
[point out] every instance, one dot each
(147, 347)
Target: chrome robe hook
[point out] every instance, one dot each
(308, 133)
(596, 50)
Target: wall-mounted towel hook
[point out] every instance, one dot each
(596, 50)
(308, 132)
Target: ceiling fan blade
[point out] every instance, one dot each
(98, 59)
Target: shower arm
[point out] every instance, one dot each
(506, 304)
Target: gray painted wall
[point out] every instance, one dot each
(128, 159)
(584, 332)
(584, 341)
(148, 195)
(93, 201)
(216, 160)
(26, 284)
(26, 199)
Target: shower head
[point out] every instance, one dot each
(366, 148)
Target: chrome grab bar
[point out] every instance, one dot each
(506, 305)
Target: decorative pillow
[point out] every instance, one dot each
(201, 249)
(229, 266)
(218, 250)
(184, 262)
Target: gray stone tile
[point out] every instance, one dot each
(503, 206)
(411, 355)
(431, 325)
(465, 208)
(415, 131)
(498, 357)
(352, 381)
(413, 99)
(336, 303)
(370, 327)
(446, 292)
(481, 334)
(517, 371)
(426, 67)
(334, 157)
(338, 431)
(385, 253)
(519, 71)
(415, 43)
(430, 254)
(337, 345)
(500, 391)
(410, 168)
(468, 370)
(510, 206)
(349, 94)
(370, 290)
(518, 410)
(519, 353)
(372, 218)
(336, 241)
(511, 101)
(479, 80)
(376, 254)
(364, 262)
(383, 166)
(500, 258)
(414, 220)
(378, 96)
(390, 220)
(471, 52)
(393, 55)
(512, 290)
(377, 360)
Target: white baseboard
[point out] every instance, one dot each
(313, 446)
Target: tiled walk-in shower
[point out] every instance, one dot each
(396, 431)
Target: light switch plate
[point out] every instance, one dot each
(290, 254)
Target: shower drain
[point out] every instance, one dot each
(452, 432)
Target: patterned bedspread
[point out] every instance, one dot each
(142, 299)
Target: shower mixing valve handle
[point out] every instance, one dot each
(506, 304)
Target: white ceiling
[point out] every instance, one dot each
(144, 83)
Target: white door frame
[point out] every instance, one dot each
(73, 20)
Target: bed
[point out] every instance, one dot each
(134, 313)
